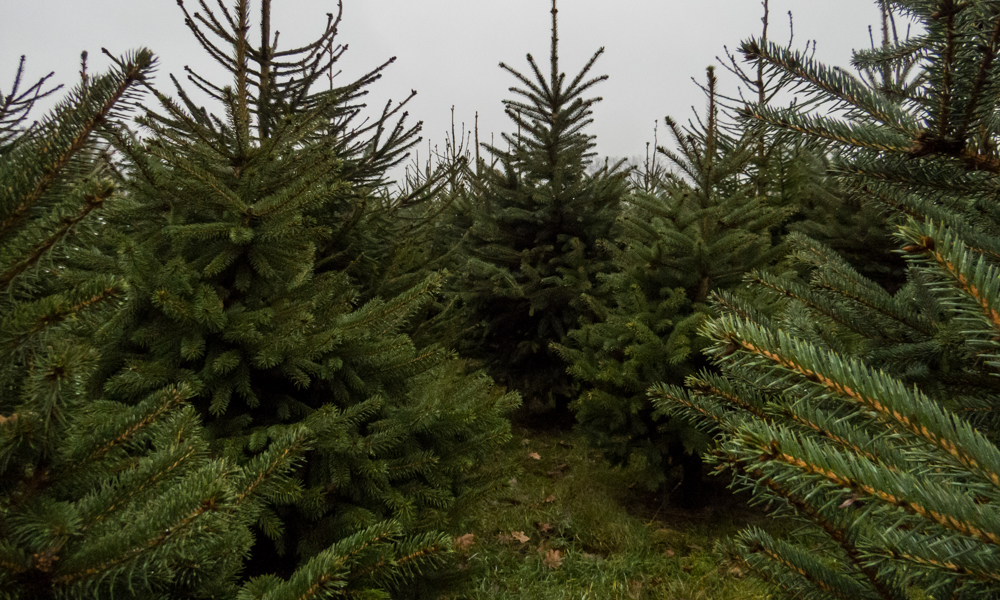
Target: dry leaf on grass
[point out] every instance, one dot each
(553, 559)
(519, 536)
(464, 542)
(535, 456)
(550, 499)
(544, 527)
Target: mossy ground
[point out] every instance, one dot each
(572, 527)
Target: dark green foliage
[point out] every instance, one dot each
(98, 498)
(422, 232)
(870, 415)
(239, 242)
(688, 229)
(539, 222)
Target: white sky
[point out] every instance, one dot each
(448, 50)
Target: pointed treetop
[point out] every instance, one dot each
(555, 48)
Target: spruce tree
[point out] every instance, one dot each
(98, 498)
(694, 226)
(868, 415)
(422, 231)
(238, 242)
(540, 219)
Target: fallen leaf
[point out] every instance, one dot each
(550, 499)
(670, 552)
(544, 527)
(535, 456)
(736, 572)
(464, 542)
(525, 442)
(503, 538)
(553, 559)
(519, 536)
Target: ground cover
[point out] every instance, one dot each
(572, 527)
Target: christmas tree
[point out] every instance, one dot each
(694, 226)
(539, 222)
(98, 498)
(869, 415)
(238, 240)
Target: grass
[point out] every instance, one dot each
(573, 527)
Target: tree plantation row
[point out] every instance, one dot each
(235, 363)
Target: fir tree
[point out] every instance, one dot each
(540, 219)
(845, 220)
(869, 415)
(237, 243)
(692, 227)
(98, 498)
(423, 232)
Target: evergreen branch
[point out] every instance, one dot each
(241, 112)
(955, 557)
(826, 427)
(902, 208)
(576, 87)
(950, 566)
(191, 126)
(132, 73)
(322, 42)
(16, 106)
(975, 277)
(976, 93)
(800, 293)
(99, 571)
(834, 82)
(837, 531)
(805, 566)
(875, 390)
(976, 161)
(709, 385)
(330, 568)
(279, 462)
(231, 200)
(952, 511)
(136, 488)
(726, 302)
(947, 11)
(869, 137)
(91, 202)
(174, 397)
(53, 311)
(667, 398)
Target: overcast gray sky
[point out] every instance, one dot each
(448, 50)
